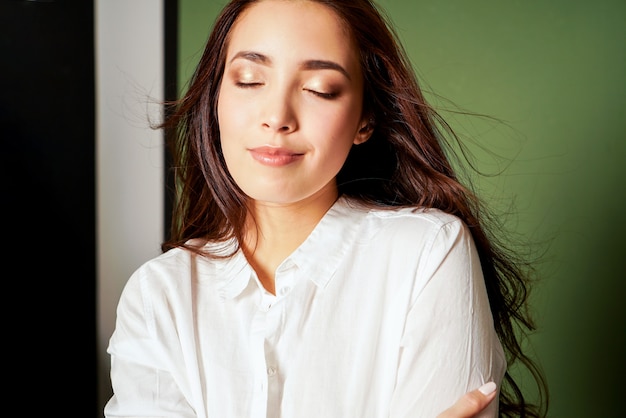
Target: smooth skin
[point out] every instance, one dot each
(289, 110)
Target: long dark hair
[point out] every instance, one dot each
(406, 162)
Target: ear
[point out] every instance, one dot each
(365, 131)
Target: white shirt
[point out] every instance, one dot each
(377, 314)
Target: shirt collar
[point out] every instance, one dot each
(317, 258)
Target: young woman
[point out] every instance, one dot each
(324, 259)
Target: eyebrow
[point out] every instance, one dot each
(306, 65)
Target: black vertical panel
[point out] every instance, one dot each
(47, 135)
(171, 93)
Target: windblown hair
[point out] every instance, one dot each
(404, 163)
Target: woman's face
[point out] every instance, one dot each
(290, 102)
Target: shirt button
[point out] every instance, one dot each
(285, 290)
(271, 371)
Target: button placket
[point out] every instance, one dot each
(267, 300)
(273, 332)
(259, 329)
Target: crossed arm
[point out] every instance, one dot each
(471, 403)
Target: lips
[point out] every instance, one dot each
(275, 157)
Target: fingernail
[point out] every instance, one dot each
(487, 388)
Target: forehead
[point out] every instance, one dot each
(293, 29)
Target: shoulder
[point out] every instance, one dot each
(425, 222)
(415, 235)
(172, 273)
(212, 265)
(161, 272)
(166, 264)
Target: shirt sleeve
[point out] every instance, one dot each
(449, 345)
(147, 369)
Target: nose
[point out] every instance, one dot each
(279, 113)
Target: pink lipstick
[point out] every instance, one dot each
(275, 157)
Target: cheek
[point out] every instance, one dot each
(341, 121)
(340, 126)
(224, 112)
(232, 120)
(228, 127)
(336, 139)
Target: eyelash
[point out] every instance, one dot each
(327, 96)
(247, 85)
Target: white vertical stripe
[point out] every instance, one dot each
(129, 155)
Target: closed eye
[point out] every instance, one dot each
(247, 85)
(328, 96)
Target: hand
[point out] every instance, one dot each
(470, 404)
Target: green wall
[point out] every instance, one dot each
(552, 74)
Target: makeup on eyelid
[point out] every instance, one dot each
(314, 83)
(290, 108)
(248, 79)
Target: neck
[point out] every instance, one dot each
(275, 231)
